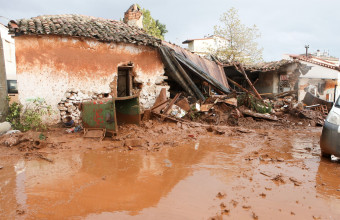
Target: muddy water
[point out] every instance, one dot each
(264, 174)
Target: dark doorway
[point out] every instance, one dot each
(123, 84)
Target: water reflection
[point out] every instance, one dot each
(122, 182)
(328, 179)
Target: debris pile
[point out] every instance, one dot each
(70, 104)
(286, 103)
(24, 141)
(227, 109)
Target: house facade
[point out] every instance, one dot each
(205, 46)
(57, 54)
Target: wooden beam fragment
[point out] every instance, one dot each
(171, 103)
(249, 82)
(238, 85)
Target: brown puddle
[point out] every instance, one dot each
(265, 174)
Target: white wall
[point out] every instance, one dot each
(207, 45)
(9, 52)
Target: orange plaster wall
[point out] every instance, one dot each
(47, 66)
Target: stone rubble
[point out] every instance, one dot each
(70, 104)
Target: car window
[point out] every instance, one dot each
(12, 86)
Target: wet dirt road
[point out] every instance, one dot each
(253, 174)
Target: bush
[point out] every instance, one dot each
(13, 116)
(30, 117)
(253, 103)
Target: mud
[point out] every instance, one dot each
(172, 171)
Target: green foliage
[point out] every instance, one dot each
(42, 136)
(193, 113)
(162, 28)
(14, 115)
(253, 103)
(240, 41)
(30, 117)
(152, 26)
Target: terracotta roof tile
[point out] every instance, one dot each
(314, 60)
(101, 29)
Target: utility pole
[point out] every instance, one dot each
(306, 46)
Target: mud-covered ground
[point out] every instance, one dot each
(260, 170)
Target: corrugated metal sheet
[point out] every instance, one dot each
(210, 67)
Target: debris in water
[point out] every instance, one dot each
(246, 207)
(220, 195)
(264, 174)
(20, 212)
(278, 178)
(234, 203)
(222, 205)
(295, 181)
(225, 211)
(255, 216)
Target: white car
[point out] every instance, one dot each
(330, 137)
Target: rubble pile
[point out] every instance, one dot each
(216, 110)
(220, 110)
(289, 105)
(228, 109)
(70, 104)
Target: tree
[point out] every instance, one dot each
(240, 40)
(152, 26)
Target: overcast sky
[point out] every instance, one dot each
(286, 25)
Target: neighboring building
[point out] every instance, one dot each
(324, 57)
(322, 80)
(207, 45)
(7, 69)
(269, 78)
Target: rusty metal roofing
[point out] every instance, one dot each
(101, 29)
(208, 66)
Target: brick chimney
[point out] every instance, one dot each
(134, 16)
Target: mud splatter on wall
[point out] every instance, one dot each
(47, 66)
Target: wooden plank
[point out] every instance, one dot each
(249, 82)
(238, 85)
(160, 102)
(171, 103)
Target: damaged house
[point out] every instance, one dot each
(268, 78)
(322, 79)
(66, 59)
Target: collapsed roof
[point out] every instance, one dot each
(179, 60)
